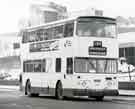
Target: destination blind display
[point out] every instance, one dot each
(97, 49)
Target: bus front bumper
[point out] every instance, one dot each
(87, 92)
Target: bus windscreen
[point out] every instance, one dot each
(90, 65)
(96, 27)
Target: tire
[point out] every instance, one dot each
(28, 89)
(99, 98)
(59, 91)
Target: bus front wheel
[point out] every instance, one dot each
(59, 91)
(98, 98)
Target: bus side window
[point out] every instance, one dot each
(49, 64)
(46, 35)
(30, 67)
(37, 65)
(40, 34)
(25, 37)
(69, 69)
(49, 33)
(44, 65)
(31, 36)
(58, 32)
(24, 66)
(69, 29)
(58, 65)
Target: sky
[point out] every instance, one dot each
(11, 11)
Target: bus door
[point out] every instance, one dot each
(46, 78)
(68, 76)
(75, 80)
(71, 79)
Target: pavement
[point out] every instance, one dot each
(127, 92)
(9, 87)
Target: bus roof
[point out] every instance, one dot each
(49, 23)
(65, 20)
(100, 17)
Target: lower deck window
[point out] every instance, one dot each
(58, 65)
(69, 66)
(34, 66)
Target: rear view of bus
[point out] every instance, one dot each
(95, 62)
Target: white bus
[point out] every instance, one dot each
(71, 57)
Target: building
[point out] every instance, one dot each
(86, 12)
(127, 45)
(42, 12)
(10, 54)
(9, 44)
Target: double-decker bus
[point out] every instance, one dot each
(72, 57)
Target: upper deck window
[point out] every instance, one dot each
(69, 29)
(96, 27)
(53, 32)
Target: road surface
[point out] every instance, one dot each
(13, 99)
